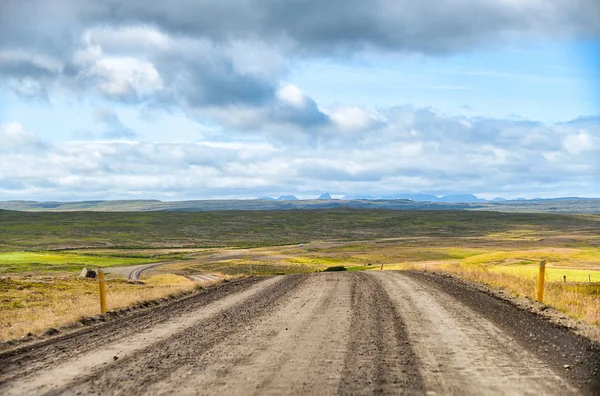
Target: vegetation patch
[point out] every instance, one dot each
(141, 230)
(516, 235)
(313, 260)
(499, 249)
(335, 268)
(12, 262)
(359, 268)
(557, 256)
(35, 303)
(553, 274)
(580, 300)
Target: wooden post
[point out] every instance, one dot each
(381, 266)
(102, 289)
(565, 278)
(540, 282)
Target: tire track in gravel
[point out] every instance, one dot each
(372, 332)
(139, 371)
(39, 356)
(555, 345)
(379, 359)
(49, 377)
(297, 349)
(461, 352)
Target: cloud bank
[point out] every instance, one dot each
(224, 63)
(403, 152)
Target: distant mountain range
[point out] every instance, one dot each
(418, 197)
(290, 202)
(281, 198)
(422, 197)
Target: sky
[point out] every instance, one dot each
(113, 99)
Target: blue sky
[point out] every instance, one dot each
(547, 81)
(140, 100)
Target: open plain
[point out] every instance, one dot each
(423, 302)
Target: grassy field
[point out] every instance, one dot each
(20, 231)
(553, 274)
(577, 297)
(18, 262)
(41, 253)
(36, 303)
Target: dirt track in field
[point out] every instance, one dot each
(374, 332)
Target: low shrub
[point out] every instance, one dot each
(335, 268)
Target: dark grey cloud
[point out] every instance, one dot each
(20, 67)
(306, 115)
(424, 26)
(194, 54)
(199, 80)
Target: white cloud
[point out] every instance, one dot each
(292, 95)
(581, 142)
(122, 76)
(352, 118)
(481, 156)
(15, 138)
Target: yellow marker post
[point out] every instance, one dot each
(381, 266)
(540, 283)
(102, 288)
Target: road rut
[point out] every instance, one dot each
(372, 332)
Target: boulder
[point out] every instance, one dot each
(86, 273)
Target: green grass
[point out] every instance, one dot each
(53, 261)
(135, 230)
(68, 240)
(360, 268)
(258, 268)
(460, 253)
(312, 260)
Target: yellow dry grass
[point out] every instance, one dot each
(34, 304)
(557, 256)
(580, 300)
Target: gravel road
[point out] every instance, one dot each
(373, 332)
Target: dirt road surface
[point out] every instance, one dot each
(132, 272)
(373, 332)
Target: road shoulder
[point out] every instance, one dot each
(573, 356)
